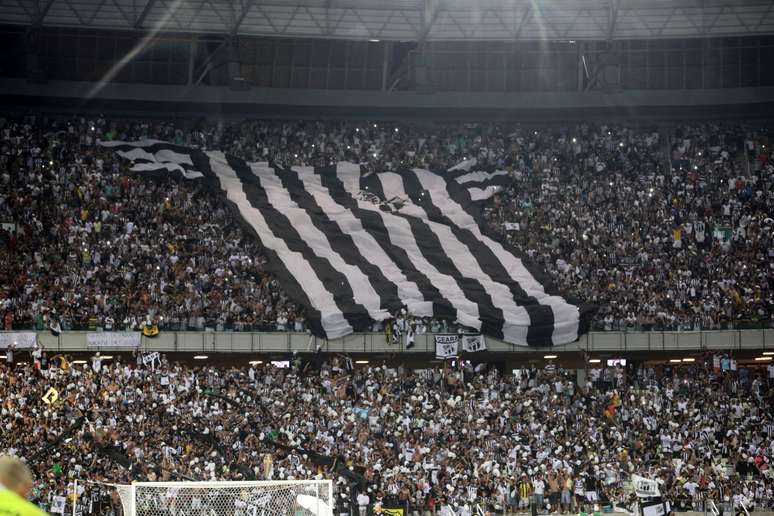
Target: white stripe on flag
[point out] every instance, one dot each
(368, 247)
(332, 319)
(161, 156)
(465, 165)
(477, 194)
(401, 236)
(480, 176)
(566, 331)
(163, 159)
(363, 292)
(516, 317)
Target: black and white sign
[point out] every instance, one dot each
(645, 488)
(473, 343)
(151, 359)
(446, 346)
(659, 508)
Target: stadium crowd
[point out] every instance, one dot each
(454, 436)
(663, 229)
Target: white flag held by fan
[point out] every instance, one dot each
(58, 505)
(151, 359)
(644, 487)
(473, 343)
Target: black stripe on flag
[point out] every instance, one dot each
(335, 282)
(541, 328)
(374, 224)
(541, 316)
(432, 248)
(275, 264)
(340, 242)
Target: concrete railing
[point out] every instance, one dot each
(258, 342)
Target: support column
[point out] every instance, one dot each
(387, 57)
(191, 59)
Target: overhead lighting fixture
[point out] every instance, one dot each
(762, 359)
(256, 362)
(106, 357)
(79, 362)
(2, 357)
(689, 360)
(374, 40)
(200, 357)
(675, 360)
(361, 361)
(594, 360)
(549, 357)
(768, 353)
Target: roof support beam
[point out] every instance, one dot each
(525, 16)
(764, 17)
(708, 28)
(238, 22)
(75, 12)
(612, 19)
(144, 14)
(268, 19)
(41, 14)
(428, 15)
(327, 7)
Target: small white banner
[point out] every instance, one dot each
(113, 339)
(473, 343)
(645, 488)
(151, 359)
(22, 340)
(511, 226)
(58, 505)
(446, 346)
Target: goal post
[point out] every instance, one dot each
(243, 498)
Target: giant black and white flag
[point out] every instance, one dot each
(354, 248)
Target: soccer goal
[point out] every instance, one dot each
(269, 498)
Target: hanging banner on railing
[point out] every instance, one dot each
(473, 343)
(446, 346)
(113, 339)
(19, 339)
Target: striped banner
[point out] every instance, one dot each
(354, 249)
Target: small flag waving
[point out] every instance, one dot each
(354, 249)
(644, 487)
(473, 343)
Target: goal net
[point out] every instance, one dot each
(281, 498)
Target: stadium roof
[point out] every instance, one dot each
(409, 20)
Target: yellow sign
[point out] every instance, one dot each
(51, 396)
(392, 512)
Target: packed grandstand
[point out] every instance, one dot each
(458, 435)
(662, 229)
(233, 233)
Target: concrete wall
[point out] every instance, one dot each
(295, 102)
(246, 342)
